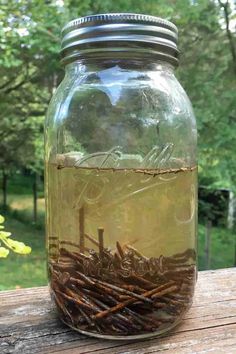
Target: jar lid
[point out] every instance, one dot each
(119, 32)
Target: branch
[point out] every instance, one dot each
(26, 79)
(36, 113)
(7, 83)
(225, 7)
(13, 88)
(55, 38)
(21, 83)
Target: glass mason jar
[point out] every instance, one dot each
(121, 180)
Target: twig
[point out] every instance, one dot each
(74, 255)
(81, 229)
(90, 238)
(120, 250)
(109, 300)
(121, 290)
(100, 239)
(147, 284)
(87, 318)
(139, 254)
(168, 290)
(121, 305)
(61, 305)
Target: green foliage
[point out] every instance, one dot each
(17, 270)
(222, 248)
(30, 70)
(21, 184)
(13, 245)
(208, 76)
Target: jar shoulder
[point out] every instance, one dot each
(136, 113)
(115, 86)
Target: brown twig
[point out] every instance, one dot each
(69, 243)
(121, 305)
(139, 254)
(74, 255)
(145, 283)
(131, 294)
(119, 249)
(168, 290)
(81, 230)
(99, 289)
(100, 240)
(71, 296)
(61, 305)
(87, 318)
(90, 238)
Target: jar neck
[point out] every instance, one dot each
(87, 65)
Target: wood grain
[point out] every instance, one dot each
(29, 324)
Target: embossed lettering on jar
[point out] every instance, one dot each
(121, 180)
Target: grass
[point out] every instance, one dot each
(20, 199)
(17, 270)
(24, 202)
(22, 184)
(21, 208)
(24, 271)
(222, 248)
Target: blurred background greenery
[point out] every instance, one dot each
(30, 71)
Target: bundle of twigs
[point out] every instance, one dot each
(120, 292)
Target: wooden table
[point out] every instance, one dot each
(28, 324)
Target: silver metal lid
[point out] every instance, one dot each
(119, 32)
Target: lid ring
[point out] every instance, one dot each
(146, 30)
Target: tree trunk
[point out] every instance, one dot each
(226, 10)
(4, 189)
(35, 209)
(208, 244)
(235, 250)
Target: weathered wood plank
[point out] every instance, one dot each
(28, 324)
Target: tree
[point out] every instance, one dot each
(30, 71)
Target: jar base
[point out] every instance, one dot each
(131, 337)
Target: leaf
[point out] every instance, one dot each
(3, 252)
(18, 247)
(26, 250)
(4, 234)
(2, 219)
